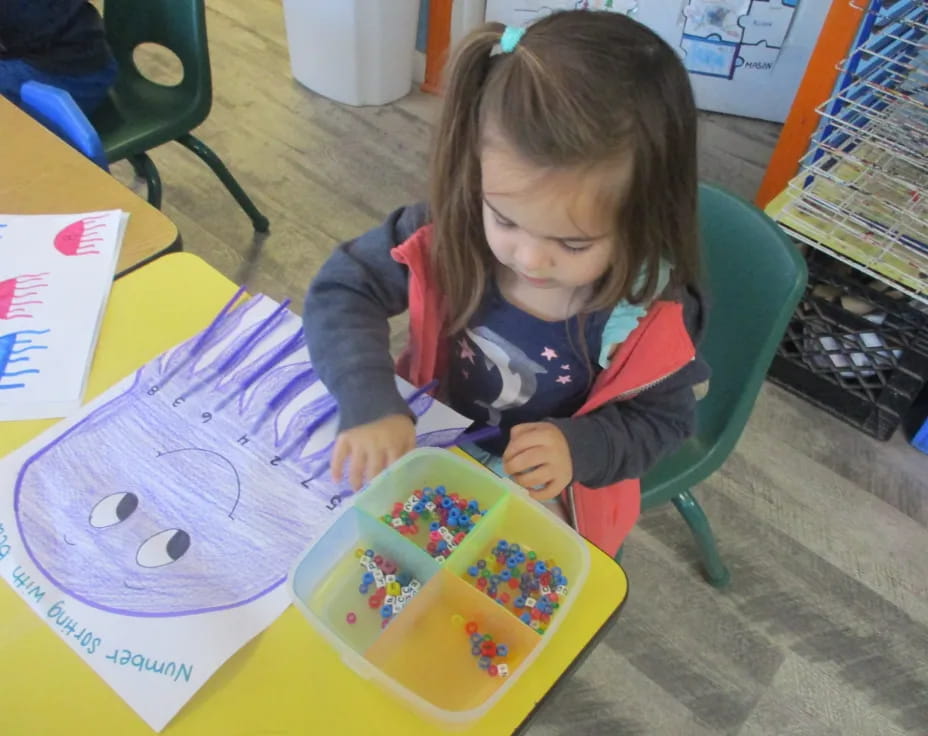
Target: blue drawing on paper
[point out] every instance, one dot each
(195, 489)
(16, 358)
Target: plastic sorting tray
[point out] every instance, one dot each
(424, 655)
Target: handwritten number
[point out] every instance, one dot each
(334, 503)
(206, 416)
(178, 401)
(152, 391)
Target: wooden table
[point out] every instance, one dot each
(288, 681)
(41, 174)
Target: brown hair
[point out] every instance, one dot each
(581, 89)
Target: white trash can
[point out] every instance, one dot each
(359, 52)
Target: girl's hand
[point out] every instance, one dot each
(538, 459)
(371, 447)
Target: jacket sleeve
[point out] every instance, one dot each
(624, 439)
(345, 318)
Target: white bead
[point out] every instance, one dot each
(430, 506)
(502, 670)
(414, 585)
(440, 560)
(530, 602)
(396, 522)
(390, 578)
(389, 600)
(545, 589)
(561, 590)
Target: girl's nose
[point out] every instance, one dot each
(531, 257)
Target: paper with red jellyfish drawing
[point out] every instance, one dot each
(55, 277)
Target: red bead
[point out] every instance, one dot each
(351, 617)
(454, 497)
(431, 548)
(536, 614)
(471, 627)
(462, 504)
(545, 617)
(435, 536)
(546, 578)
(481, 583)
(414, 529)
(530, 565)
(492, 670)
(488, 649)
(417, 493)
(378, 560)
(553, 597)
(397, 508)
(504, 597)
(383, 624)
(513, 583)
(414, 515)
(459, 537)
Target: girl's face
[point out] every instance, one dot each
(546, 226)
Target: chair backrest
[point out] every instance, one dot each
(755, 277)
(57, 111)
(178, 25)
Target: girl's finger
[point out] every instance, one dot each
(538, 479)
(356, 466)
(375, 463)
(525, 460)
(339, 454)
(521, 429)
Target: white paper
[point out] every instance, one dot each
(55, 277)
(153, 531)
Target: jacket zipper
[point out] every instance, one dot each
(652, 384)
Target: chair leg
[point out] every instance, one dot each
(206, 154)
(145, 168)
(695, 517)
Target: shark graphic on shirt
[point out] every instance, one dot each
(516, 370)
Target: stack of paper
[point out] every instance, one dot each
(55, 277)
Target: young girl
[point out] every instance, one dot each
(550, 281)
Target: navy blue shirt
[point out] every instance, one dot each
(509, 367)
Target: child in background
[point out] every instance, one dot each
(56, 42)
(550, 281)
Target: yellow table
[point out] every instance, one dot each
(286, 681)
(41, 174)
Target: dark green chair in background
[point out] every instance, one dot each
(141, 114)
(754, 277)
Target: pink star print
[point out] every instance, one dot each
(565, 367)
(466, 352)
(466, 373)
(548, 353)
(563, 379)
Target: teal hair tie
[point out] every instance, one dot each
(510, 39)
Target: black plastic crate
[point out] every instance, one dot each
(861, 371)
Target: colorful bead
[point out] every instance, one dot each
(351, 617)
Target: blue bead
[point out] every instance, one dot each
(368, 578)
(434, 526)
(491, 590)
(540, 567)
(483, 663)
(476, 639)
(520, 557)
(475, 651)
(515, 548)
(556, 572)
(473, 571)
(440, 490)
(501, 650)
(369, 552)
(427, 491)
(442, 545)
(446, 503)
(512, 562)
(505, 575)
(519, 602)
(362, 589)
(526, 618)
(386, 611)
(419, 507)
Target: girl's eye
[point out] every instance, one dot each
(575, 247)
(507, 224)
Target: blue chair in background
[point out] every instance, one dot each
(57, 111)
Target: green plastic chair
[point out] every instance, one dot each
(755, 277)
(141, 114)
